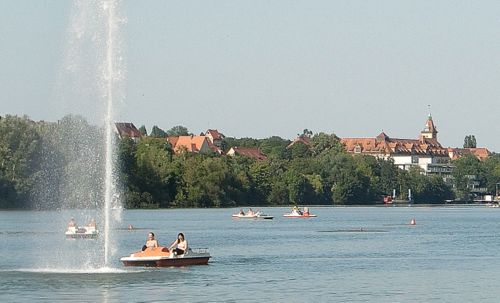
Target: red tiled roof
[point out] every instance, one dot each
(190, 143)
(481, 153)
(383, 144)
(304, 139)
(215, 134)
(172, 141)
(251, 152)
(127, 130)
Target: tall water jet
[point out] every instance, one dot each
(109, 78)
(89, 85)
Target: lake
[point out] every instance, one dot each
(346, 254)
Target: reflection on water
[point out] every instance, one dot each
(346, 255)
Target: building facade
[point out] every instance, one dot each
(425, 152)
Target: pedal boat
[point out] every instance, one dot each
(85, 232)
(257, 215)
(162, 257)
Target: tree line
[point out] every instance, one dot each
(56, 165)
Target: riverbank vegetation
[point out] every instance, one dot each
(54, 165)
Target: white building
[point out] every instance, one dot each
(425, 152)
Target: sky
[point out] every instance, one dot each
(266, 68)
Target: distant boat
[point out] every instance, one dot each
(252, 215)
(299, 213)
(493, 204)
(86, 232)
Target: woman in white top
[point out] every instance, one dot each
(151, 242)
(180, 245)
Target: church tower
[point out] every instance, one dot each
(430, 131)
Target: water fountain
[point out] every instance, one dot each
(110, 77)
(91, 84)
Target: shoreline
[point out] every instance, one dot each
(377, 205)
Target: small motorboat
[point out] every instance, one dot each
(88, 232)
(257, 215)
(162, 257)
(298, 213)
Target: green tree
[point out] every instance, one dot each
(382, 175)
(470, 141)
(466, 171)
(299, 150)
(491, 170)
(298, 187)
(19, 160)
(275, 147)
(155, 172)
(278, 191)
(178, 130)
(306, 133)
(324, 143)
(261, 177)
(157, 132)
(205, 182)
(143, 130)
(128, 172)
(319, 193)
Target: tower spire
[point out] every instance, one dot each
(430, 130)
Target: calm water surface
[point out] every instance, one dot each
(359, 254)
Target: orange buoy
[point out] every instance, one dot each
(413, 222)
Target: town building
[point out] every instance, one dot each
(193, 144)
(215, 140)
(425, 152)
(215, 137)
(128, 130)
(481, 153)
(250, 152)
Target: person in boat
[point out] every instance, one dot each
(242, 213)
(72, 222)
(92, 223)
(306, 211)
(250, 212)
(296, 211)
(180, 245)
(151, 242)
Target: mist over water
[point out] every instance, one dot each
(79, 157)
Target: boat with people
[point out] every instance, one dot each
(299, 213)
(493, 204)
(89, 231)
(163, 257)
(250, 214)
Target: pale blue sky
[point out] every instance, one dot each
(262, 68)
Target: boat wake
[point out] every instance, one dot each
(101, 270)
